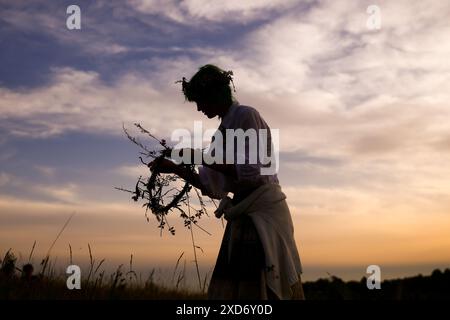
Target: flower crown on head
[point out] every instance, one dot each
(221, 78)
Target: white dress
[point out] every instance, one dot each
(265, 205)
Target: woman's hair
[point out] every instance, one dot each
(209, 85)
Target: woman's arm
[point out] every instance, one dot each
(226, 169)
(169, 167)
(191, 177)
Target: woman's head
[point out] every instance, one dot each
(210, 89)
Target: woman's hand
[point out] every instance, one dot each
(163, 166)
(189, 155)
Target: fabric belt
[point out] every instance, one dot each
(242, 194)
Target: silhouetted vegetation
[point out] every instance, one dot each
(24, 283)
(435, 286)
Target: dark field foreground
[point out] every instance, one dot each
(19, 283)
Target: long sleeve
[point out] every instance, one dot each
(249, 168)
(246, 157)
(214, 182)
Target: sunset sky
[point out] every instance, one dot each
(364, 120)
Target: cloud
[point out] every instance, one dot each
(443, 144)
(316, 73)
(132, 171)
(189, 11)
(6, 154)
(50, 22)
(302, 156)
(24, 189)
(70, 102)
(329, 84)
(5, 179)
(170, 9)
(61, 193)
(45, 170)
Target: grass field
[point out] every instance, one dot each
(23, 282)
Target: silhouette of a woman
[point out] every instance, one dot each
(258, 257)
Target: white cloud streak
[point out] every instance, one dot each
(196, 11)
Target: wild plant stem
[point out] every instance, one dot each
(193, 243)
(32, 250)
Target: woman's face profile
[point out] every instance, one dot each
(209, 110)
